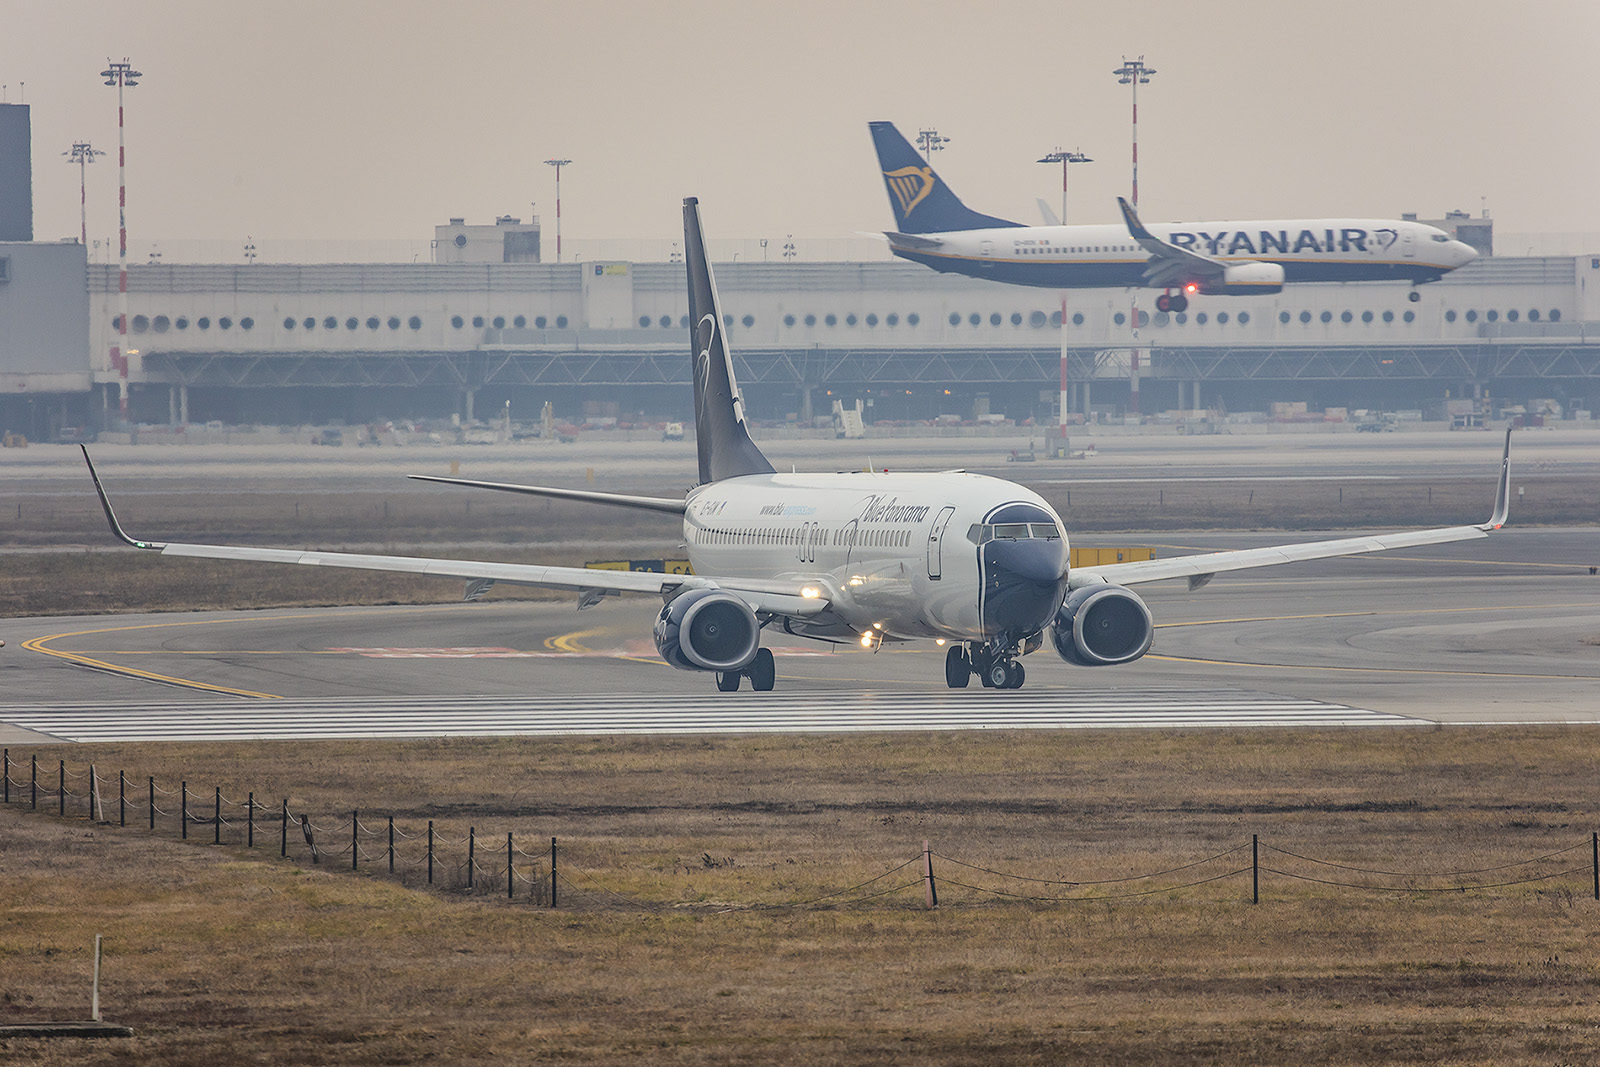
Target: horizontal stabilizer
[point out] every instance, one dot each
(621, 500)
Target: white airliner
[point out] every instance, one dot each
(934, 228)
(978, 563)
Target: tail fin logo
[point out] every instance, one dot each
(910, 186)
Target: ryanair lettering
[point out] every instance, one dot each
(1266, 242)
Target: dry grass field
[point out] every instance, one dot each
(690, 929)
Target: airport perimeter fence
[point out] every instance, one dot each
(475, 863)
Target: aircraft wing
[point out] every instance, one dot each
(645, 503)
(776, 597)
(1169, 265)
(1200, 568)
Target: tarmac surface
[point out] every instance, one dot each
(1500, 630)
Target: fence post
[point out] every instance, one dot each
(61, 788)
(1594, 842)
(283, 831)
(552, 872)
(97, 809)
(508, 864)
(184, 786)
(472, 848)
(8, 776)
(152, 802)
(391, 844)
(122, 798)
(1255, 869)
(311, 840)
(355, 840)
(250, 820)
(927, 867)
(430, 851)
(34, 783)
(216, 819)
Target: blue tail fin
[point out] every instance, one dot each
(922, 203)
(726, 450)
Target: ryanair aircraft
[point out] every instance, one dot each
(934, 228)
(975, 563)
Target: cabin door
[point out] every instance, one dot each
(936, 544)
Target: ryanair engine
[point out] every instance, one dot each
(707, 630)
(1102, 625)
(1243, 279)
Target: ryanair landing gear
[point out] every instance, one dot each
(1171, 302)
(762, 672)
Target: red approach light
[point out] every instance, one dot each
(1191, 288)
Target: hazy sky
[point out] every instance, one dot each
(358, 120)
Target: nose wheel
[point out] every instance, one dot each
(995, 672)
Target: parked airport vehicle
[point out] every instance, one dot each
(979, 564)
(1229, 258)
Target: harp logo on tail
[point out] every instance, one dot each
(910, 186)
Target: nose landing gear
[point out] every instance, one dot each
(996, 670)
(1174, 302)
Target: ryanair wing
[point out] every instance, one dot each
(1169, 264)
(1199, 569)
(771, 597)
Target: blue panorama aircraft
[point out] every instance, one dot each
(934, 228)
(976, 563)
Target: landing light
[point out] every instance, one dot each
(939, 642)
(1191, 288)
(866, 640)
(855, 579)
(810, 592)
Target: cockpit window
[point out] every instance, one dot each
(1440, 237)
(982, 533)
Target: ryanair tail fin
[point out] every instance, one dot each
(726, 450)
(921, 202)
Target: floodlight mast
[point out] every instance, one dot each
(930, 141)
(1064, 157)
(1134, 73)
(83, 154)
(558, 164)
(123, 76)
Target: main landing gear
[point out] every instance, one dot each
(762, 672)
(995, 671)
(1174, 302)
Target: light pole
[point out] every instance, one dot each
(83, 154)
(1134, 73)
(122, 75)
(788, 249)
(930, 141)
(558, 164)
(1064, 157)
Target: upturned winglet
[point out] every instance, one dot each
(1502, 493)
(111, 516)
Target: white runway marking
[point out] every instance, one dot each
(699, 713)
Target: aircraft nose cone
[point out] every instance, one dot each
(1033, 560)
(1464, 253)
(1023, 584)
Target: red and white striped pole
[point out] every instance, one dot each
(558, 164)
(121, 75)
(1132, 73)
(83, 154)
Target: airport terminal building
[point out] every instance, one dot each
(488, 324)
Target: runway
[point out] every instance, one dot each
(1499, 631)
(784, 713)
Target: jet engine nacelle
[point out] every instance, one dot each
(1243, 279)
(1102, 625)
(707, 630)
